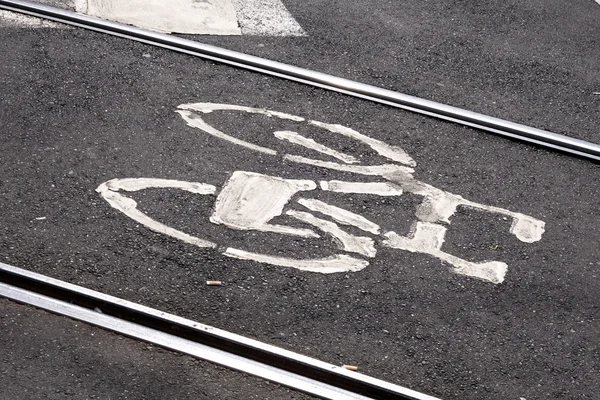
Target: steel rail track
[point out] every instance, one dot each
(499, 126)
(290, 369)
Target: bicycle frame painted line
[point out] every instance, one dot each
(193, 338)
(383, 96)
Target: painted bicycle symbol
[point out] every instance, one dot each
(249, 201)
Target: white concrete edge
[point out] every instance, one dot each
(254, 17)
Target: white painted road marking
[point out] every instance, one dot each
(353, 244)
(199, 123)
(296, 138)
(328, 265)
(428, 238)
(110, 192)
(378, 188)
(249, 201)
(340, 215)
(216, 17)
(210, 17)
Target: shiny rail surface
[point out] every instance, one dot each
(498, 126)
(237, 352)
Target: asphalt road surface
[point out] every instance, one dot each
(49, 357)
(79, 109)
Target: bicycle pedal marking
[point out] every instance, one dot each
(250, 201)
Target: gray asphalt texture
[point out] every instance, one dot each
(45, 356)
(80, 108)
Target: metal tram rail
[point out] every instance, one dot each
(287, 368)
(491, 124)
